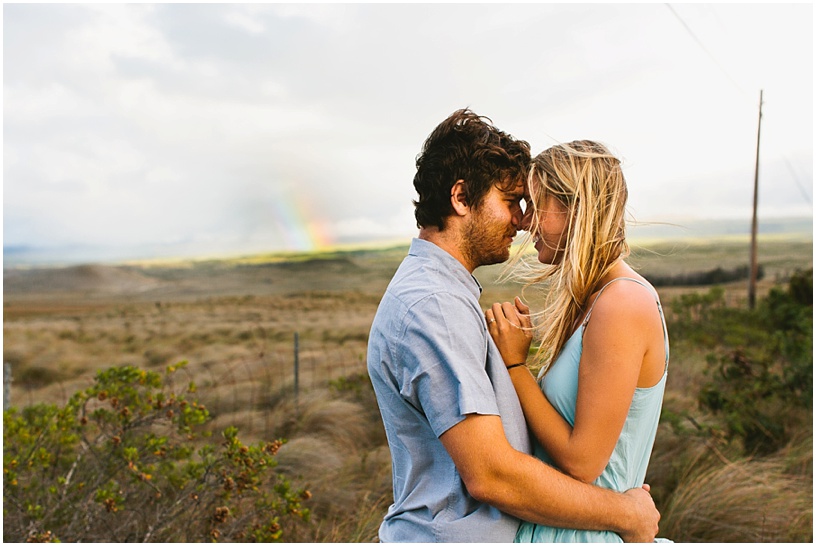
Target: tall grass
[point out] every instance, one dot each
(338, 450)
(741, 501)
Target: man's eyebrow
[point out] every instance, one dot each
(518, 191)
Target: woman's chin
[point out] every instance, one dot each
(547, 258)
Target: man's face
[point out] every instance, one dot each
(493, 225)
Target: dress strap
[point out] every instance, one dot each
(659, 310)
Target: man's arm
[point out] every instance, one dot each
(521, 485)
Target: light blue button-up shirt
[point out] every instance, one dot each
(432, 362)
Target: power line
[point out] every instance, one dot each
(795, 176)
(705, 49)
(691, 33)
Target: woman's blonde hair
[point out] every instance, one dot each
(588, 181)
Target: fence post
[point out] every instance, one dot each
(6, 385)
(297, 368)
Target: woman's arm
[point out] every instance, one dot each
(614, 344)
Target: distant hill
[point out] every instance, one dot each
(684, 229)
(23, 256)
(78, 279)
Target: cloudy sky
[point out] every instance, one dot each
(228, 128)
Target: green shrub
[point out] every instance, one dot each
(125, 460)
(692, 313)
(760, 378)
(715, 276)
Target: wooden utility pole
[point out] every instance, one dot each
(754, 267)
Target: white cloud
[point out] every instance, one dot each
(43, 104)
(114, 30)
(244, 21)
(401, 225)
(139, 123)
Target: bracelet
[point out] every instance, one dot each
(511, 366)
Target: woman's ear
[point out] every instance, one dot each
(459, 199)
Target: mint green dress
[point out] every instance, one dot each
(627, 465)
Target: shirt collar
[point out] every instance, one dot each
(426, 249)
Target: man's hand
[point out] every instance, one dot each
(645, 516)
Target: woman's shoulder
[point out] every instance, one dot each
(625, 296)
(631, 284)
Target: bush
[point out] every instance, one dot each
(737, 466)
(125, 460)
(692, 314)
(715, 276)
(761, 375)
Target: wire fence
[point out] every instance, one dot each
(243, 389)
(6, 385)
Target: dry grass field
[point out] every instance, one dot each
(235, 322)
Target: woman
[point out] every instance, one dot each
(604, 353)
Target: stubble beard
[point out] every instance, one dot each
(484, 242)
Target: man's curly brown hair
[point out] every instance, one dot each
(465, 147)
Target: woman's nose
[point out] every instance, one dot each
(526, 220)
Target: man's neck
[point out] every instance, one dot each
(450, 242)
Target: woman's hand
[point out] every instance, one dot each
(510, 327)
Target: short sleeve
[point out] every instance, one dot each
(444, 354)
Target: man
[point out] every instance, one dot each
(459, 443)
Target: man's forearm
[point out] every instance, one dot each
(525, 487)
(535, 492)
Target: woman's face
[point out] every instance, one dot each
(550, 232)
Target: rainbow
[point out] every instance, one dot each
(294, 216)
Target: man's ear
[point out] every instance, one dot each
(459, 199)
